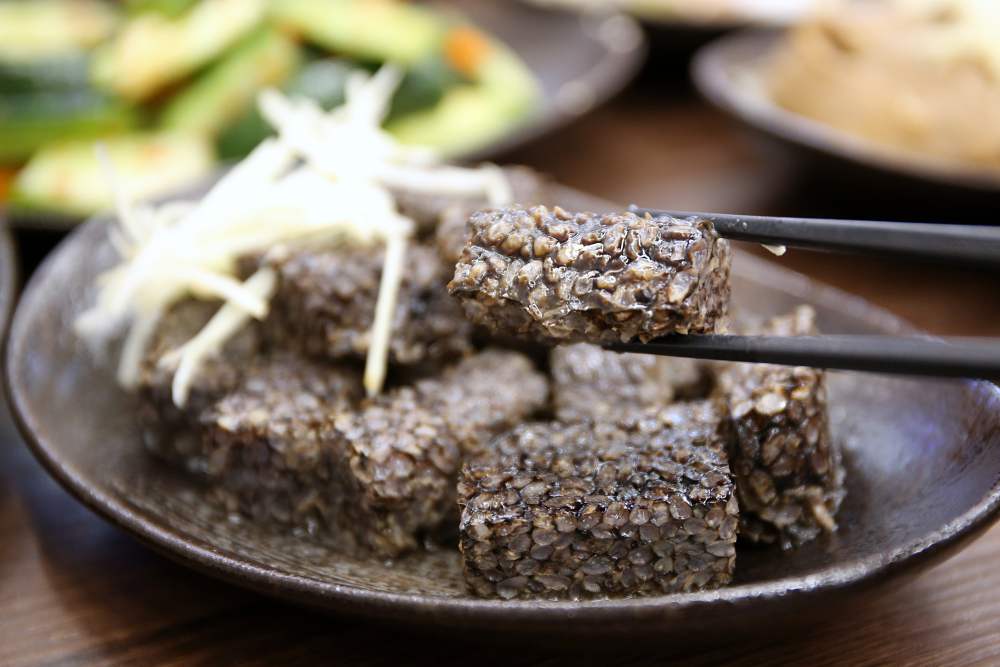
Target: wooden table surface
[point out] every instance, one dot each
(74, 590)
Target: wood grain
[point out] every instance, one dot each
(74, 590)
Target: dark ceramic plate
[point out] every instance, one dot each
(679, 23)
(579, 61)
(923, 459)
(729, 73)
(677, 34)
(8, 275)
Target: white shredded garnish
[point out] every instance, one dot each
(385, 306)
(134, 347)
(327, 177)
(187, 358)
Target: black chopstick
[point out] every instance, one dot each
(939, 357)
(971, 244)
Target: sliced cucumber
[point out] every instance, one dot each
(321, 80)
(29, 121)
(171, 8)
(47, 28)
(68, 178)
(423, 86)
(471, 116)
(152, 51)
(55, 73)
(384, 30)
(229, 88)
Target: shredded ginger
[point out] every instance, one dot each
(325, 178)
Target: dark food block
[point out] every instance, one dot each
(589, 382)
(167, 429)
(325, 305)
(642, 507)
(429, 210)
(402, 452)
(527, 186)
(788, 469)
(263, 446)
(484, 395)
(592, 278)
(282, 440)
(395, 472)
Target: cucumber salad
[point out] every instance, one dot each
(168, 87)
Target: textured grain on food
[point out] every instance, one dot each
(583, 277)
(591, 382)
(643, 506)
(263, 445)
(528, 187)
(402, 451)
(325, 305)
(167, 429)
(788, 469)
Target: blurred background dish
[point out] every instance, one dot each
(917, 77)
(706, 14)
(880, 100)
(169, 85)
(677, 28)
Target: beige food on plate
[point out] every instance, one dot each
(917, 77)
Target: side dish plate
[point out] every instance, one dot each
(923, 460)
(580, 61)
(730, 74)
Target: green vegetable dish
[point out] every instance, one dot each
(169, 87)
